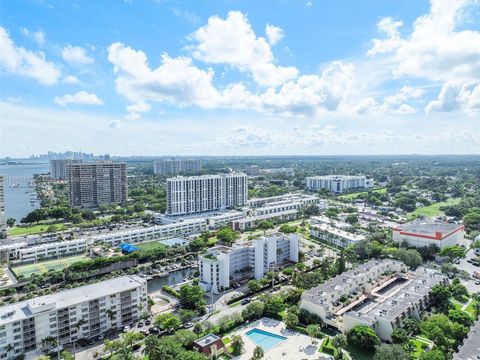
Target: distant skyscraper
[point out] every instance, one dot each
(194, 194)
(176, 166)
(58, 168)
(3, 217)
(94, 184)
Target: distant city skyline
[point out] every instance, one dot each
(240, 78)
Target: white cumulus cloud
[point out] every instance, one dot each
(79, 98)
(76, 55)
(274, 34)
(20, 61)
(232, 41)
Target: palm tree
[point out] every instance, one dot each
(152, 347)
(77, 326)
(9, 348)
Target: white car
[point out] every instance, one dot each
(126, 328)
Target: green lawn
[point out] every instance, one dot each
(361, 194)
(45, 266)
(34, 229)
(151, 245)
(471, 308)
(420, 347)
(434, 209)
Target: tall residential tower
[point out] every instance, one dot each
(195, 194)
(176, 166)
(94, 184)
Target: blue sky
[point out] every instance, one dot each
(240, 77)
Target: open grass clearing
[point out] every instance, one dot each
(433, 209)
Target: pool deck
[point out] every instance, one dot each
(296, 347)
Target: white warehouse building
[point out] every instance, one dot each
(421, 233)
(221, 264)
(338, 183)
(106, 305)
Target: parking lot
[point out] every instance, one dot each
(472, 285)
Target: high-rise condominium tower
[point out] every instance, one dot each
(94, 184)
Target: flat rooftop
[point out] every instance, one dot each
(470, 349)
(206, 340)
(428, 228)
(62, 299)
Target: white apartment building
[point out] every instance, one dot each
(470, 348)
(338, 183)
(18, 251)
(59, 168)
(304, 199)
(106, 305)
(94, 184)
(334, 236)
(421, 233)
(249, 222)
(380, 294)
(221, 264)
(197, 194)
(176, 166)
(3, 216)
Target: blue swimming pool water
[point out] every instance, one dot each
(266, 340)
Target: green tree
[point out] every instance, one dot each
(400, 336)
(264, 226)
(274, 306)
(412, 326)
(312, 331)
(291, 320)
(339, 342)
(363, 337)
(390, 352)
(168, 322)
(254, 286)
(11, 222)
(440, 297)
(352, 219)
(434, 354)
(237, 345)
(460, 317)
(452, 252)
(192, 298)
(227, 236)
(152, 347)
(253, 311)
(258, 353)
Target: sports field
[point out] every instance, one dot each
(45, 266)
(151, 245)
(434, 209)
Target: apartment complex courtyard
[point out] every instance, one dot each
(277, 342)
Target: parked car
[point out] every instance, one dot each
(140, 324)
(188, 325)
(148, 322)
(245, 301)
(126, 328)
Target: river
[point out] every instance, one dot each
(173, 278)
(18, 187)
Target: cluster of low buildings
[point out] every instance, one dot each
(223, 264)
(66, 316)
(380, 293)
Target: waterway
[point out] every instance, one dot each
(18, 187)
(175, 277)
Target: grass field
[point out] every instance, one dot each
(361, 194)
(434, 209)
(150, 245)
(45, 266)
(34, 229)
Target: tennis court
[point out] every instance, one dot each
(45, 266)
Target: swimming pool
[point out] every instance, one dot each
(266, 340)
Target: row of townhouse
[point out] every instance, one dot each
(81, 313)
(379, 294)
(304, 199)
(334, 236)
(222, 264)
(33, 250)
